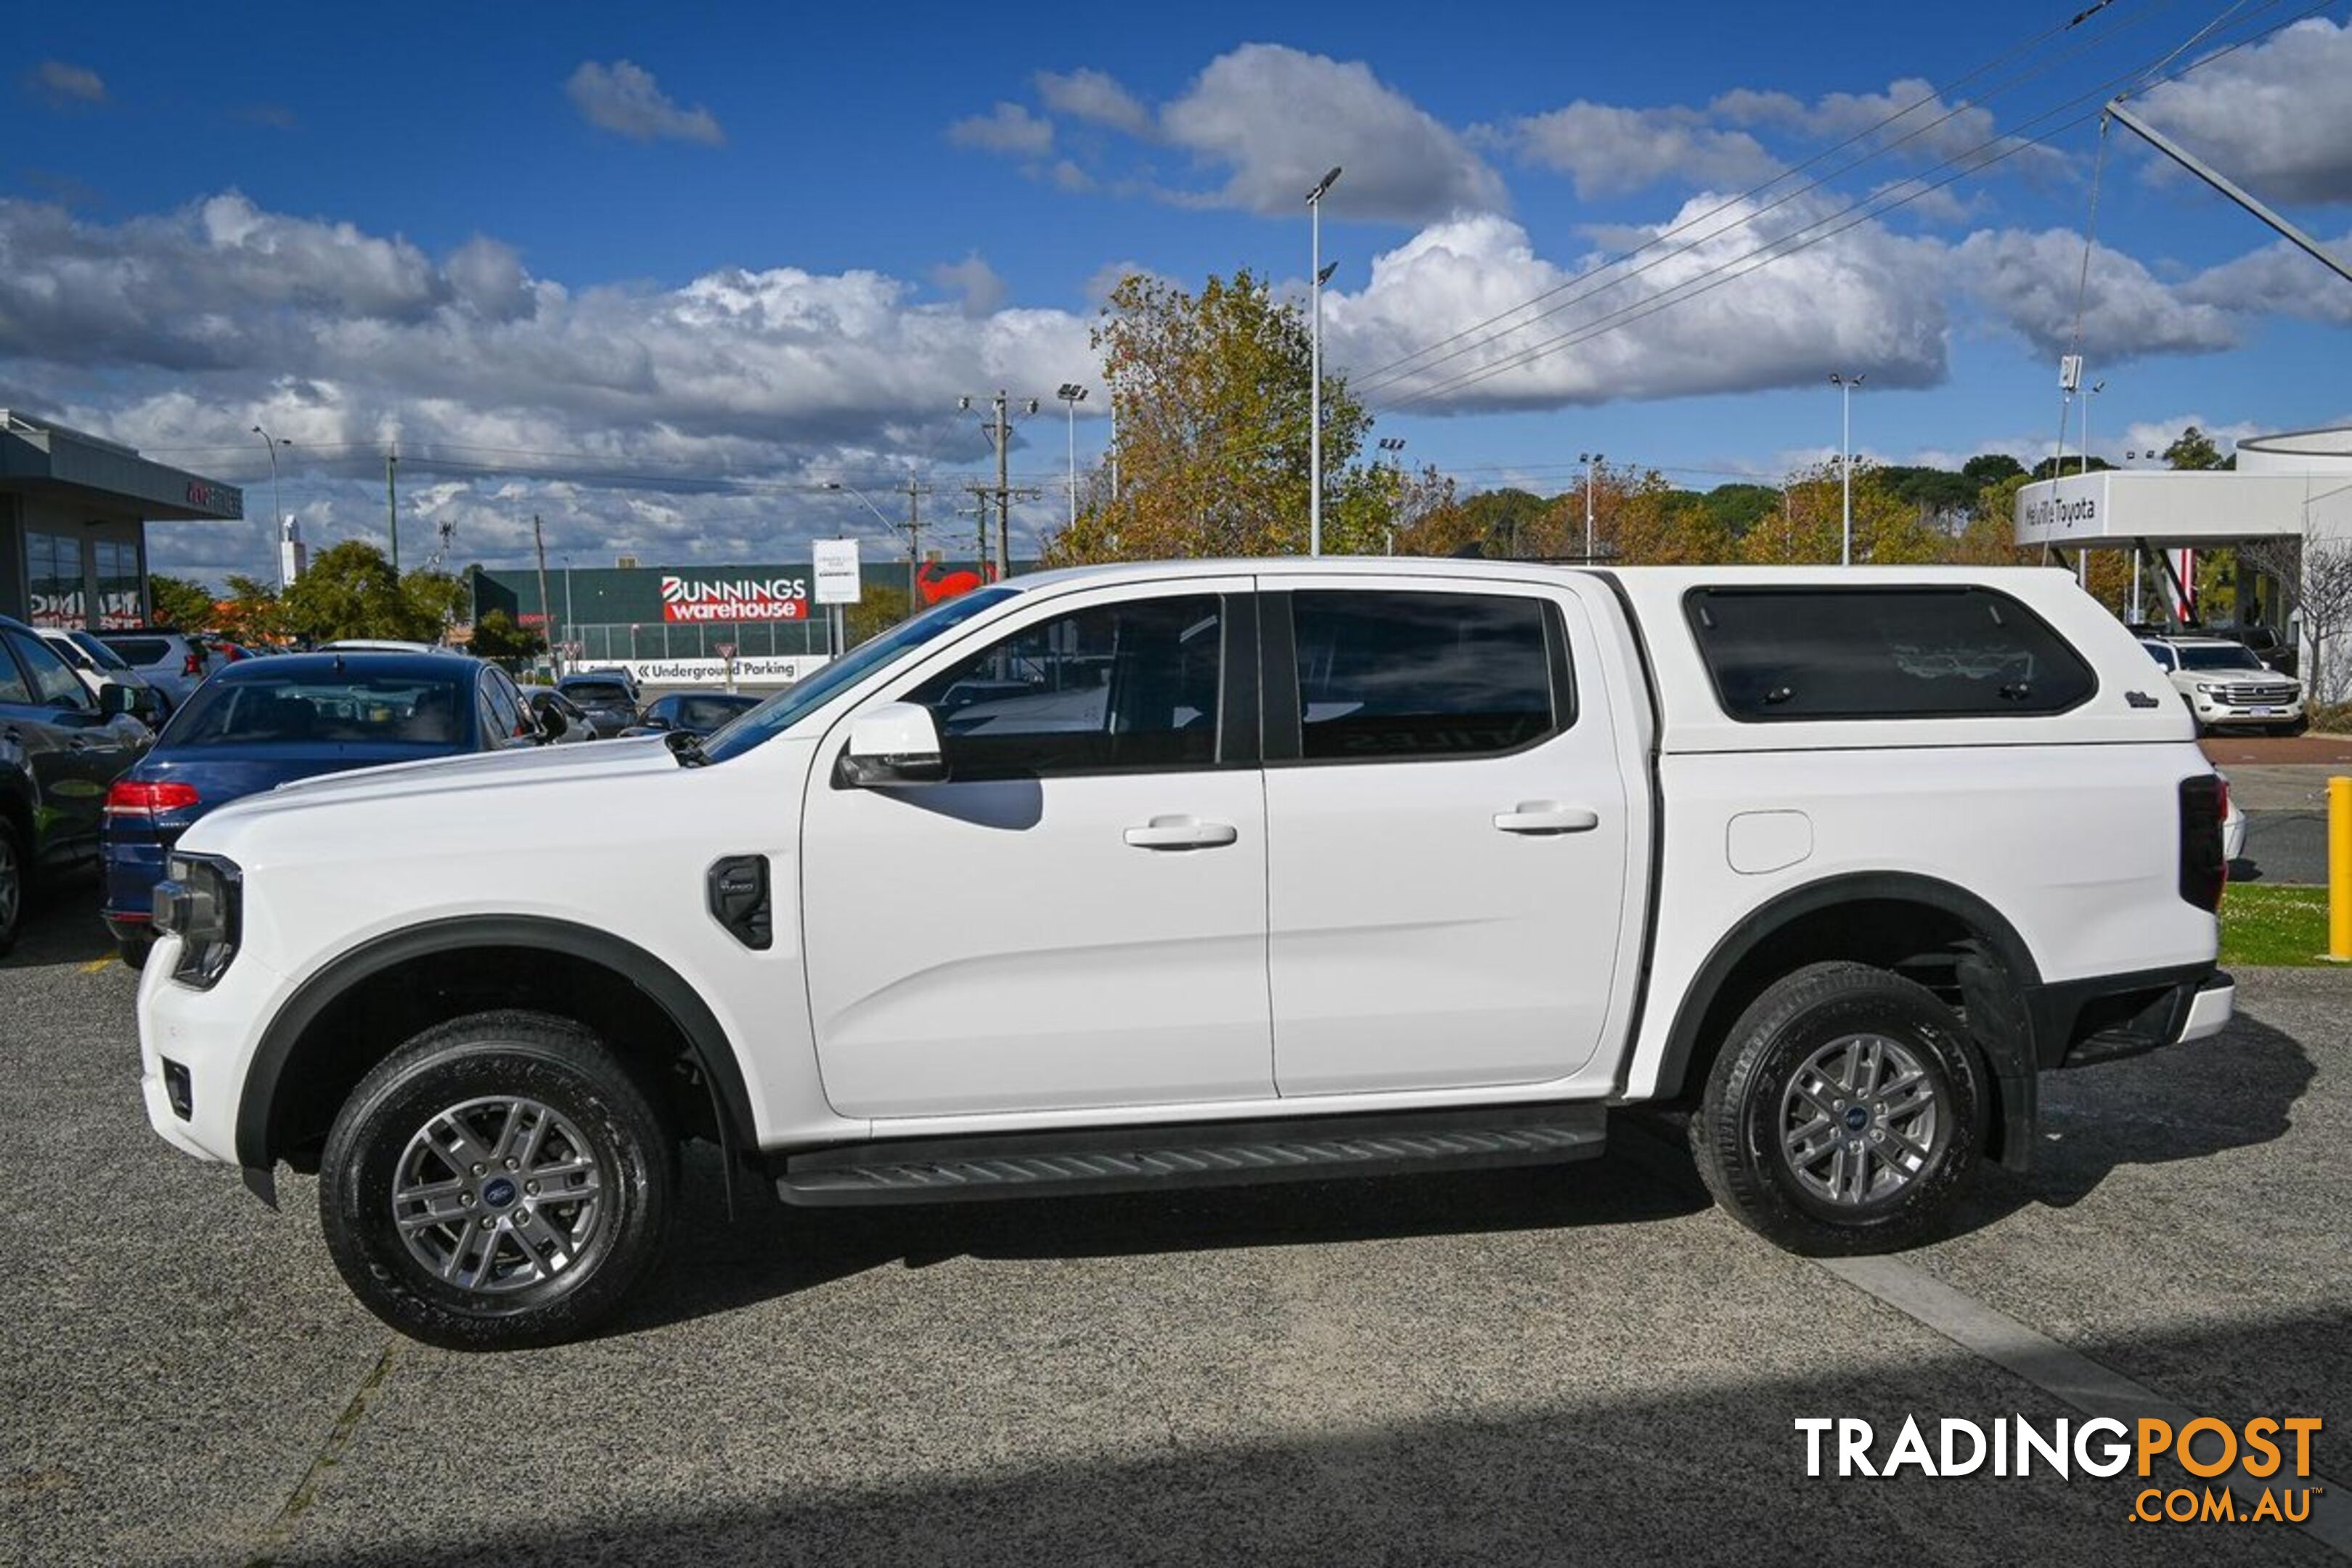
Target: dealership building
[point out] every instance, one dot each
(682, 625)
(74, 511)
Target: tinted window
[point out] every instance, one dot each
(1116, 689)
(139, 650)
(101, 655)
(600, 691)
(13, 686)
(55, 685)
(392, 710)
(702, 713)
(1881, 653)
(1421, 675)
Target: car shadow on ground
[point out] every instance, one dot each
(61, 925)
(2184, 1103)
(1707, 1467)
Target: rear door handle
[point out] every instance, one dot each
(1547, 816)
(1181, 833)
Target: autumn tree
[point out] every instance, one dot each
(1210, 391)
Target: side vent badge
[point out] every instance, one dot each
(2141, 700)
(739, 899)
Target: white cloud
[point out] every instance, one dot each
(1096, 96)
(1276, 118)
(984, 291)
(2275, 117)
(1609, 150)
(623, 98)
(1867, 297)
(2030, 279)
(1008, 127)
(2278, 279)
(62, 83)
(1910, 117)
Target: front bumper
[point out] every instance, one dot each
(210, 1036)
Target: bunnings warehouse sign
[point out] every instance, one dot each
(729, 599)
(756, 671)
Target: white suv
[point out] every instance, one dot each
(2227, 687)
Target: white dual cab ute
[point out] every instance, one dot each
(1204, 872)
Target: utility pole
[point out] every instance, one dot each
(980, 499)
(915, 493)
(1004, 498)
(546, 620)
(1845, 386)
(391, 506)
(1590, 460)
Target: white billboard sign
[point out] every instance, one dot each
(836, 572)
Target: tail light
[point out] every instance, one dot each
(149, 797)
(2204, 802)
(194, 664)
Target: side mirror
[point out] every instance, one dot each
(114, 698)
(893, 745)
(552, 719)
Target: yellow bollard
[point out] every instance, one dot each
(2339, 870)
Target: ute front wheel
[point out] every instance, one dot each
(1844, 1113)
(499, 1181)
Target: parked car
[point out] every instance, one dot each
(263, 722)
(558, 715)
(619, 673)
(2225, 685)
(2276, 651)
(173, 662)
(60, 747)
(697, 713)
(97, 664)
(1359, 867)
(610, 702)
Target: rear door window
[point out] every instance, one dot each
(1778, 654)
(1387, 675)
(139, 650)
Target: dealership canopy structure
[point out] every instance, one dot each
(74, 511)
(2292, 486)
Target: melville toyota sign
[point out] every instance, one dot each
(719, 600)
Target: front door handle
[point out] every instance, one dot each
(1547, 816)
(1181, 833)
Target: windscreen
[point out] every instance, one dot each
(374, 709)
(707, 712)
(779, 712)
(595, 692)
(2231, 658)
(102, 655)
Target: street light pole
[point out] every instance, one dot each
(1846, 383)
(1072, 395)
(1315, 379)
(277, 511)
(1590, 460)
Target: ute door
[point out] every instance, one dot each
(1076, 918)
(1446, 835)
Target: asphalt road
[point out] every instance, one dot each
(1584, 1363)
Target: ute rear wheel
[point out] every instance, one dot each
(499, 1182)
(1844, 1114)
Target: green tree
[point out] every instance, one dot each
(350, 591)
(1989, 468)
(178, 602)
(496, 636)
(2194, 449)
(1211, 394)
(878, 608)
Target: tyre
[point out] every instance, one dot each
(16, 872)
(133, 950)
(499, 1182)
(1844, 1113)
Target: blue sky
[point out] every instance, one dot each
(775, 243)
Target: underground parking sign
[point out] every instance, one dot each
(836, 572)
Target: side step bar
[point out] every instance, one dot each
(1199, 1153)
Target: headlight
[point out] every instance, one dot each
(199, 901)
(2206, 689)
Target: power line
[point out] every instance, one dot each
(1705, 281)
(1393, 369)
